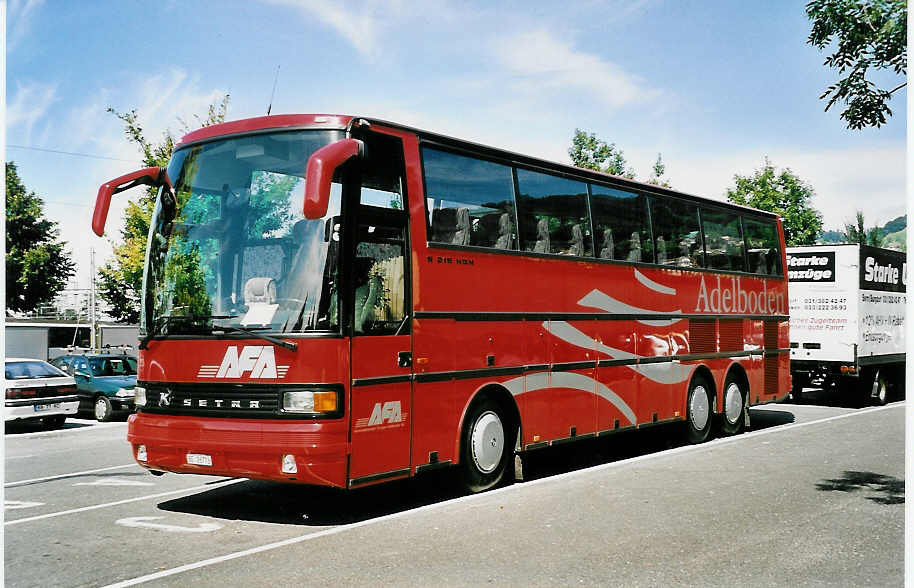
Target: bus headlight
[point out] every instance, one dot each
(139, 396)
(316, 402)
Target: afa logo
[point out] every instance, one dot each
(389, 413)
(253, 361)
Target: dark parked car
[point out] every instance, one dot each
(105, 382)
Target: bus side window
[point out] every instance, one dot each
(470, 201)
(621, 219)
(724, 243)
(762, 242)
(676, 222)
(553, 214)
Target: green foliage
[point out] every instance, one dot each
(785, 194)
(37, 266)
(121, 278)
(857, 233)
(657, 173)
(864, 35)
(589, 152)
(895, 225)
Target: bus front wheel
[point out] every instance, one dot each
(699, 410)
(486, 446)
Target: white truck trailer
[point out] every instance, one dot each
(847, 315)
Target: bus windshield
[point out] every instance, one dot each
(230, 247)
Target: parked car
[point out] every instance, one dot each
(36, 390)
(105, 382)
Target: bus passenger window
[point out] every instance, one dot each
(470, 201)
(553, 214)
(763, 253)
(724, 244)
(676, 223)
(623, 215)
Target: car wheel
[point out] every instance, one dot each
(699, 410)
(54, 422)
(486, 446)
(103, 409)
(733, 417)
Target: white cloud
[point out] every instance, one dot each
(28, 105)
(539, 60)
(18, 20)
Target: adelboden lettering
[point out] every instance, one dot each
(734, 299)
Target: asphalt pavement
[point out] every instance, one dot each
(812, 495)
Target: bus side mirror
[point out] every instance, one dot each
(150, 176)
(318, 175)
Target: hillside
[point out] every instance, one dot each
(893, 233)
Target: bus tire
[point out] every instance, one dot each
(699, 410)
(486, 446)
(733, 415)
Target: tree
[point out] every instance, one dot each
(121, 278)
(857, 233)
(657, 173)
(785, 194)
(865, 35)
(589, 152)
(37, 266)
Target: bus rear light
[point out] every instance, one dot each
(288, 464)
(310, 401)
(141, 453)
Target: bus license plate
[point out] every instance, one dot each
(200, 459)
(43, 407)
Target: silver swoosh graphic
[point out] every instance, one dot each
(573, 381)
(597, 299)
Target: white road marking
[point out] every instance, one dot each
(17, 504)
(70, 475)
(472, 497)
(115, 482)
(143, 522)
(125, 501)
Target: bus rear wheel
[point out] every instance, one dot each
(699, 410)
(733, 417)
(486, 446)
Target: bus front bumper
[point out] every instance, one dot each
(244, 448)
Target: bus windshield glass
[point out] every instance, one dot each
(230, 247)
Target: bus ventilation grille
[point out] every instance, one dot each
(731, 335)
(702, 336)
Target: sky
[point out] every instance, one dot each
(713, 86)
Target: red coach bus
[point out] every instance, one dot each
(339, 301)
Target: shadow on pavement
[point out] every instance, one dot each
(16, 428)
(888, 490)
(290, 504)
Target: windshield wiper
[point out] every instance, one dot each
(158, 325)
(274, 340)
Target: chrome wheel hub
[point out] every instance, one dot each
(699, 408)
(733, 404)
(488, 442)
(100, 409)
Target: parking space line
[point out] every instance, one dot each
(72, 475)
(125, 501)
(471, 497)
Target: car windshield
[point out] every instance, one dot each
(26, 370)
(112, 366)
(229, 247)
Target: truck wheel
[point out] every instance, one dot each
(699, 410)
(733, 417)
(879, 393)
(103, 409)
(486, 446)
(796, 394)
